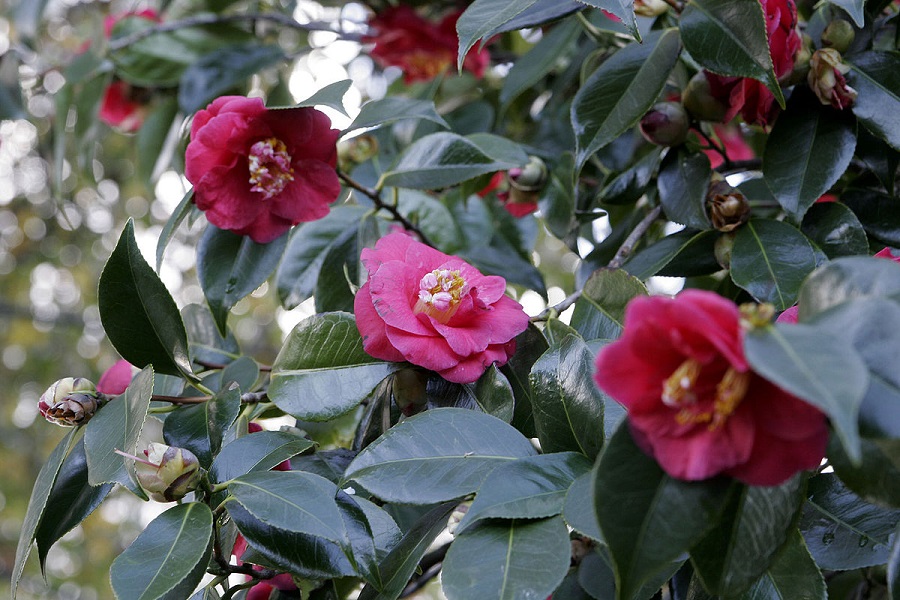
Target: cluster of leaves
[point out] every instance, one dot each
(371, 487)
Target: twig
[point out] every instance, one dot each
(753, 164)
(375, 197)
(215, 366)
(628, 245)
(713, 145)
(248, 398)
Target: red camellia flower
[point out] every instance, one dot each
(748, 96)
(259, 171)
(694, 404)
(421, 48)
(434, 310)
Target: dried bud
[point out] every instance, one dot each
(838, 35)
(826, 78)
(650, 8)
(666, 124)
(409, 388)
(728, 208)
(71, 401)
(699, 101)
(168, 473)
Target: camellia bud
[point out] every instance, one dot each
(699, 101)
(168, 473)
(666, 124)
(409, 389)
(722, 249)
(728, 208)
(650, 8)
(838, 35)
(525, 185)
(826, 78)
(357, 150)
(71, 401)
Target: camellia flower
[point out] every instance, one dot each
(421, 48)
(826, 78)
(434, 310)
(259, 171)
(124, 106)
(693, 402)
(168, 473)
(748, 96)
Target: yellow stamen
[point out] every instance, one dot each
(678, 388)
(729, 393)
(440, 292)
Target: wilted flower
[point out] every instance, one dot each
(826, 78)
(728, 208)
(168, 473)
(666, 124)
(70, 401)
(434, 310)
(694, 403)
(259, 171)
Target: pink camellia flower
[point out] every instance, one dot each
(748, 96)
(434, 310)
(693, 402)
(734, 144)
(116, 379)
(262, 589)
(888, 253)
(421, 48)
(259, 171)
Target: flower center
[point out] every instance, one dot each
(679, 391)
(427, 65)
(439, 294)
(270, 167)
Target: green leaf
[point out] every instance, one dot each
(877, 478)
(437, 455)
(206, 343)
(72, 499)
(181, 211)
(294, 501)
(618, 93)
(444, 159)
(218, 72)
(494, 394)
(117, 426)
(756, 522)
(37, 504)
(683, 183)
(391, 109)
(201, 427)
(878, 212)
(558, 202)
(623, 9)
(151, 141)
(728, 37)
(835, 229)
(231, 266)
(807, 152)
(530, 345)
(433, 218)
(482, 18)
(332, 96)
(502, 560)
(683, 254)
(259, 451)
(322, 370)
(793, 575)
(529, 488)
(770, 259)
(875, 76)
(854, 8)
(847, 278)
(632, 183)
(600, 311)
(815, 366)
(568, 407)
(637, 504)
(540, 60)
(169, 558)
(578, 510)
(841, 530)
(138, 314)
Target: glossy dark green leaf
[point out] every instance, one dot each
(842, 531)
(183, 209)
(529, 488)
(437, 455)
(793, 575)
(507, 560)
(494, 394)
(816, 366)
(729, 38)
(530, 345)
(206, 343)
(322, 370)
(340, 271)
(201, 427)
(848, 278)
(568, 406)
(432, 217)
(756, 522)
(71, 500)
(877, 478)
(637, 503)
(683, 183)
(618, 93)
(628, 186)
(117, 426)
(259, 451)
(879, 214)
(231, 266)
(595, 574)
(875, 76)
(37, 504)
(443, 159)
(384, 532)
(332, 96)
(169, 558)
(391, 109)
(151, 140)
(770, 259)
(578, 509)
(623, 9)
(482, 18)
(221, 71)
(835, 229)
(683, 254)
(360, 544)
(244, 372)
(879, 157)
(138, 314)
(539, 61)
(600, 311)
(807, 152)
(295, 501)
(557, 204)
(854, 8)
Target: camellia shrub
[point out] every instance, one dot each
(740, 439)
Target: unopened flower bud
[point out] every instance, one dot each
(409, 388)
(756, 315)
(530, 178)
(699, 101)
(650, 8)
(666, 124)
(722, 249)
(71, 401)
(168, 473)
(456, 516)
(826, 78)
(728, 208)
(357, 150)
(838, 35)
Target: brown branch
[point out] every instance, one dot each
(248, 398)
(375, 197)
